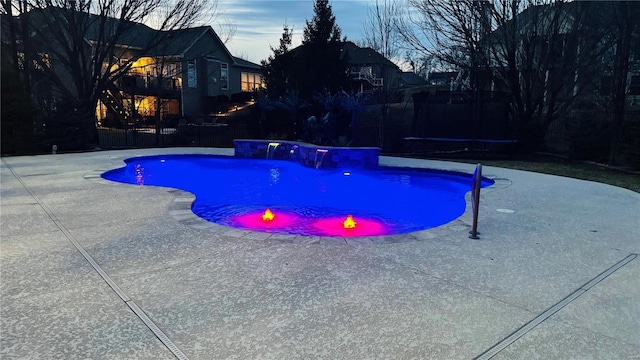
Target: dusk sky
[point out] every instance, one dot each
(259, 22)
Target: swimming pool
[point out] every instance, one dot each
(287, 198)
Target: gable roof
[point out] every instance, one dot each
(355, 55)
(245, 63)
(137, 35)
(411, 78)
(365, 56)
(177, 42)
(134, 35)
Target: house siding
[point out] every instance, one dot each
(190, 95)
(208, 52)
(211, 79)
(235, 79)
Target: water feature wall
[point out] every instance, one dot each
(314, 156)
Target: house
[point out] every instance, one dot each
(442, 80)
(181, 73)
(192, 73)
(410, 79)
(567, 45)
(369, 70)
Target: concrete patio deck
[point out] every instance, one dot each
(92, 269)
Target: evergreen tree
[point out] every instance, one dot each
(321, 51)
(322, 29)
(277, 69)
(314, 67)
(22, 122)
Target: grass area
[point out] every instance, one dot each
(572, 169)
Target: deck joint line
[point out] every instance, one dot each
(503, 344)
(170, 345)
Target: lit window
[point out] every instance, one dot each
(224, 76)
(251, 82)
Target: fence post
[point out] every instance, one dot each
(476, 184)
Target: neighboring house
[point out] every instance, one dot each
(190, 73)
(442, 79)
(410, 79)
(369, 70)
(556, 51)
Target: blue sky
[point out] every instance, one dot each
(259, 22)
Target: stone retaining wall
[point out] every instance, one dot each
(308, 154)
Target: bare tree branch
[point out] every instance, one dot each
(534, 50)
(92, 43)
(226, 30)
(379, 31)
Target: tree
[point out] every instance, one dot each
(447, 31)
(321, 53)
(379, 30)
(22, 125)
(78, 46)
(537, 51)
(293, 104)
(293, 76)
(277, 68)
(322, 28)
(315, 66)
(623, 28)
(545, 56)
(226, 30)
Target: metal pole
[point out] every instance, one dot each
(475, 200)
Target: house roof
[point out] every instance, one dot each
(134, 35)
(357, 55)
(177, 42)
(245, 63)
(444, 75)
(139, 36)
(411, 78)
(595, 14)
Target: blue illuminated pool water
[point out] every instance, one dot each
(235, 192)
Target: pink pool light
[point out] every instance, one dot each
(265, 221)
(268, 215)
(278, 221)
(349, 223)
(338, 226)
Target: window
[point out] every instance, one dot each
(192, 79)
(251, 81)
(224, 76)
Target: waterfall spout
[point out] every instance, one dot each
(274, 146)
(318, 159)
